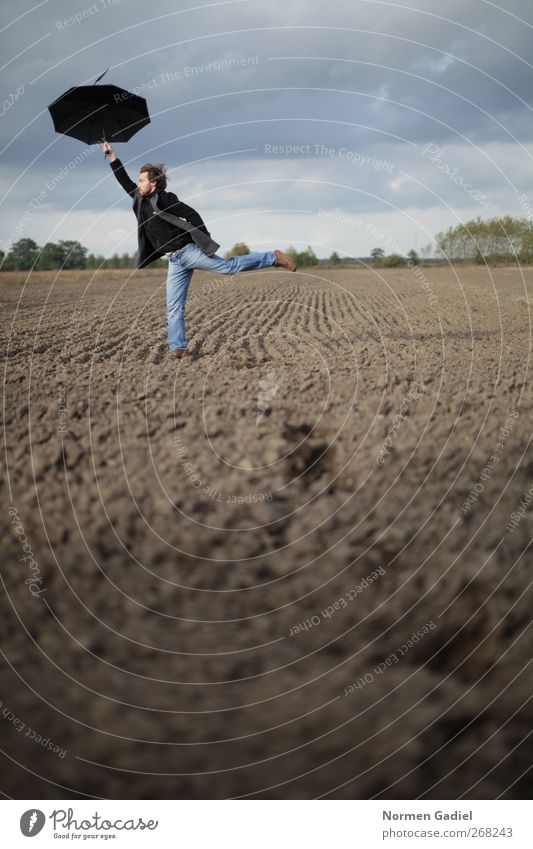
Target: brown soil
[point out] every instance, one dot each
(183, 518)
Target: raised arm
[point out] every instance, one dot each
(119, 171)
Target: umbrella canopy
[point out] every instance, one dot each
(92, 113)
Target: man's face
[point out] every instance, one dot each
(145, 185)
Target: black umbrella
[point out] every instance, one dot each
(95, 113)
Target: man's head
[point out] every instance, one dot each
(151, 177)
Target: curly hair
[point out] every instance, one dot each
(157, 173)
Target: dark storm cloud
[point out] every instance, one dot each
(224, 80)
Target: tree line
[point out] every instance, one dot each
(494, 241)
(66, 254)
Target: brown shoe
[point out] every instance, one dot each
(285, 261)
(179, 353)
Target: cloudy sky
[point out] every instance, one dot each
(344, 125)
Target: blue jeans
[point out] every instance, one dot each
(181, 265)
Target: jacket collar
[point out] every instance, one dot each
(137, 200)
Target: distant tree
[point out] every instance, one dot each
(302, 258)
(413, 257)
(62, 255)
(307, 257)
(22, 255)
(74, 254)
(526, 247)
(377, 253)
(334, 258)
(392, 261)
(293, 253)
(2, 257)
(426, 250)
(51, 256)
(94, 261)
(238, 249)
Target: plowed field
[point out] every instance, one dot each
(294, 564)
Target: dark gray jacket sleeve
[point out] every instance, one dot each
(125, 181)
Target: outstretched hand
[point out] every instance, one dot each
(108, 151)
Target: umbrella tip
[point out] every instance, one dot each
(101, 75)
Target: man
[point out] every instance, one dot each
(168, 226)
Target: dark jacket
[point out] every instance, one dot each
(156, 236)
